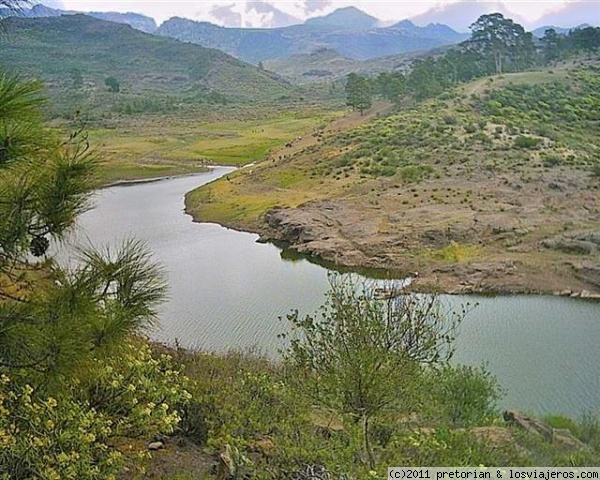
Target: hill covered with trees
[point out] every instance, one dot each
(488, 185)
(339, 31)
(152, 72)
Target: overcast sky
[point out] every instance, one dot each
(276, 12)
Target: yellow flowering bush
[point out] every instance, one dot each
(132, 394)
(140, 392)
(49, 439)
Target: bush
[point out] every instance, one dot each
(464, 396)
(415, 173)
(523, 141)
(141, 394)
(133, 394)
(52, 439)
(450, 120)
(550, 160)
(446, 447)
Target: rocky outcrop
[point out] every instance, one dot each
(313, 232)
(561, 438)
(352, 234)
(480, 277)
(590, 273)
(587, 243)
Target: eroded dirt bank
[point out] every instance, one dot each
(478, 252)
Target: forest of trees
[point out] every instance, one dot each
(497, 45)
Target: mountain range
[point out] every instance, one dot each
(74, 54)
(136, 20)
(460, 15)
(328, 65)
(349, 31)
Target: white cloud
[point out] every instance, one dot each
(226, 15)
(201, 9)
(54, 4)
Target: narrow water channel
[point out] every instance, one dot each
(227, 292)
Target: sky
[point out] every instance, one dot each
(271, 13)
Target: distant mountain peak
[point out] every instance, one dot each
(404, 24)
(460, 15)
(575, 12)
(135, 20)
(347, 17)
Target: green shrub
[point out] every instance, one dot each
(523, 141)
(51, 439)
(131, 394)
(446, 447)
(551, 160)
(415, 173)
(450, 119)
(140, 393)
(482, 137)
(464, 395)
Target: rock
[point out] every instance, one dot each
(529, 424)
(565, 293)
(556, 186)
(570, 245)
(231, 463)
(156, 446)
(563, 439)
(498, 437)
(312, 472)
(592, 237)
(589, 273)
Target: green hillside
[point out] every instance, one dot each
(75, 54)
(493, 186)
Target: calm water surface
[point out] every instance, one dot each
(227, 292)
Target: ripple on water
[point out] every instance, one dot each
(227, 292)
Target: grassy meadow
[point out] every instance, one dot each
(163, 145)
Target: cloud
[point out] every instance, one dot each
(54, 4)
(312, 6)
(226, 15)
(268, 15)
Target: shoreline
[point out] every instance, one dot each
(140, 181)
(441, 278)
(497, 276)
(428, 282)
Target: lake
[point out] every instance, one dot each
(227, 292)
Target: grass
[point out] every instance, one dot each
(225, 200)
(456, 253)
(125, 171)
(245, 401)
(442, 182)
(242, 142)
(161, 145)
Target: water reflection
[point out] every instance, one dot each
(228, 292)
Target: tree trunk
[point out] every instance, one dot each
(367, 442)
